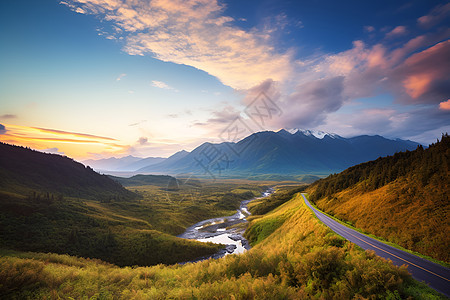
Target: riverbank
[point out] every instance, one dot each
(224, 230)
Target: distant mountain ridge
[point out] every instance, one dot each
(127, 163)
(281, 152)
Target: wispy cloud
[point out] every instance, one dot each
(74, 144)
(8, 116)
(80, 10)
(369, 28)
(75, 134)
(121, 76)
(436, 15)
(397, 31)
(137, 123)
(162, 85)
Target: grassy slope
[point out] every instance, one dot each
(90, 229)
(301, 259)
(421, 228)
(403, 199)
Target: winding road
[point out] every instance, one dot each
(436, 276)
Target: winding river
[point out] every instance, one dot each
(221, 231)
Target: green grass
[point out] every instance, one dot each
(262, 229)
(282, 194)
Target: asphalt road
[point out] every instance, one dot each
(436, 276)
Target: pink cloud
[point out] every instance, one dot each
(376, 57)
(424, 75)
(435, 16)
(417, 85)
(445, 105)
(399, 30)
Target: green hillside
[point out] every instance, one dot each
(24, 171)
(403, 198)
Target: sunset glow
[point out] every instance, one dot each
(93, 79)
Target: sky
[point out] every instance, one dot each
(102, 78)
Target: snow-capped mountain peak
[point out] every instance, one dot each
(315, 133)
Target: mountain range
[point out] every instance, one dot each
(286, 152)
(127, 163)
(281, 152)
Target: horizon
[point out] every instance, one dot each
(276, 131)
(98, 79)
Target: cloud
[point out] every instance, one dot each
(76, 134)
(415, 73)
(80, 10)
(397, 31)
(162, 85)
(53, 150)
(2, 129)
(435, 16)
(423, 77)
(121, 76)
(143, 140)
(311, 102)
(412, 76)
(309, 92)
(195, 33)
(73, 7)
(8, 116)
(369, 28)
(220, 118)
(73, 144)
(445, 105)
(225, 115)
(389, 122)
(138, 123)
